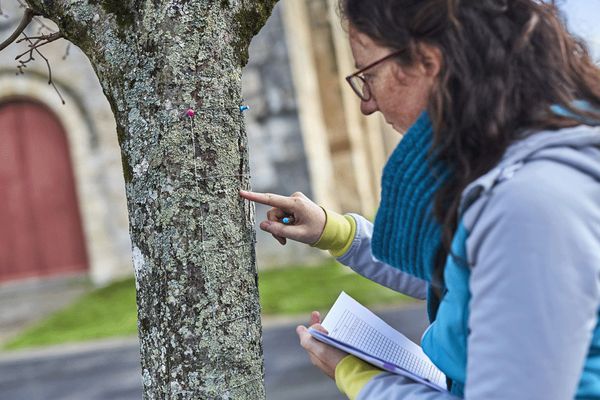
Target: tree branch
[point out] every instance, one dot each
(25, 21)
(33, 46)
(40, 41)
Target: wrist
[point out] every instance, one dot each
(352, 374)
(338, 233)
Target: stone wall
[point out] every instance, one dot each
(277, 155)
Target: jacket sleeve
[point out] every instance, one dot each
(360, 258)
(360, 380)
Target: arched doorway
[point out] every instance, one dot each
(40, 224)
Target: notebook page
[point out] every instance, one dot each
(350, 322)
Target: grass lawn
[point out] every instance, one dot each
(111, 311)
(299, 290)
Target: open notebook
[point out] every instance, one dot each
(356, 330)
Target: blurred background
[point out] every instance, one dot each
(65, 255)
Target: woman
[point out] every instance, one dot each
(490, 204)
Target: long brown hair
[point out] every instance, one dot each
(505, 63)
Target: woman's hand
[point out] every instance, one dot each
(308, 218)
(323, 356)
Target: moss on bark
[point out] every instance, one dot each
(248, 22)
(120, 9)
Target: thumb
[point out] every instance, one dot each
(281, 230)
(300, 329)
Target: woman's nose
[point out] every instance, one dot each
(368, 107)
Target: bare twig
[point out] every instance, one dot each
(25, 21)
(34, 42)
(49, 36)
(40, 41)
(33, 46)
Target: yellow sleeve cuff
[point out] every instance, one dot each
(352, 374)
(338, 233)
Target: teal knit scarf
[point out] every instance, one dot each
(405, 235)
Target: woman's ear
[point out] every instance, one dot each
(430, 58)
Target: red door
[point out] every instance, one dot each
(40, 226)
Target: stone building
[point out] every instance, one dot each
(61, 182)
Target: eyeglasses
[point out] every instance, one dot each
(359, 84)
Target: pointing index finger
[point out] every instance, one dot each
(269, 199)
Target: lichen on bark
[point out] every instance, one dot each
(193, 238)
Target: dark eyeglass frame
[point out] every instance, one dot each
(351, 78)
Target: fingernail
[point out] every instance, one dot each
(264, 225)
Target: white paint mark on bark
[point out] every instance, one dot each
(141, 168)
(146, 378)
(139, 264)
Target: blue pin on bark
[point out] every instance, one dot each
(244, 108)
(287, 220)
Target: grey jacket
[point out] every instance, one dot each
(534, 251)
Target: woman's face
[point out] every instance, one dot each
(400, 93)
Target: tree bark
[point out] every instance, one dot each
(193, 238)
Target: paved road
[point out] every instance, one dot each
(110, 370)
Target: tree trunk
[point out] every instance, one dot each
(193, 238)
